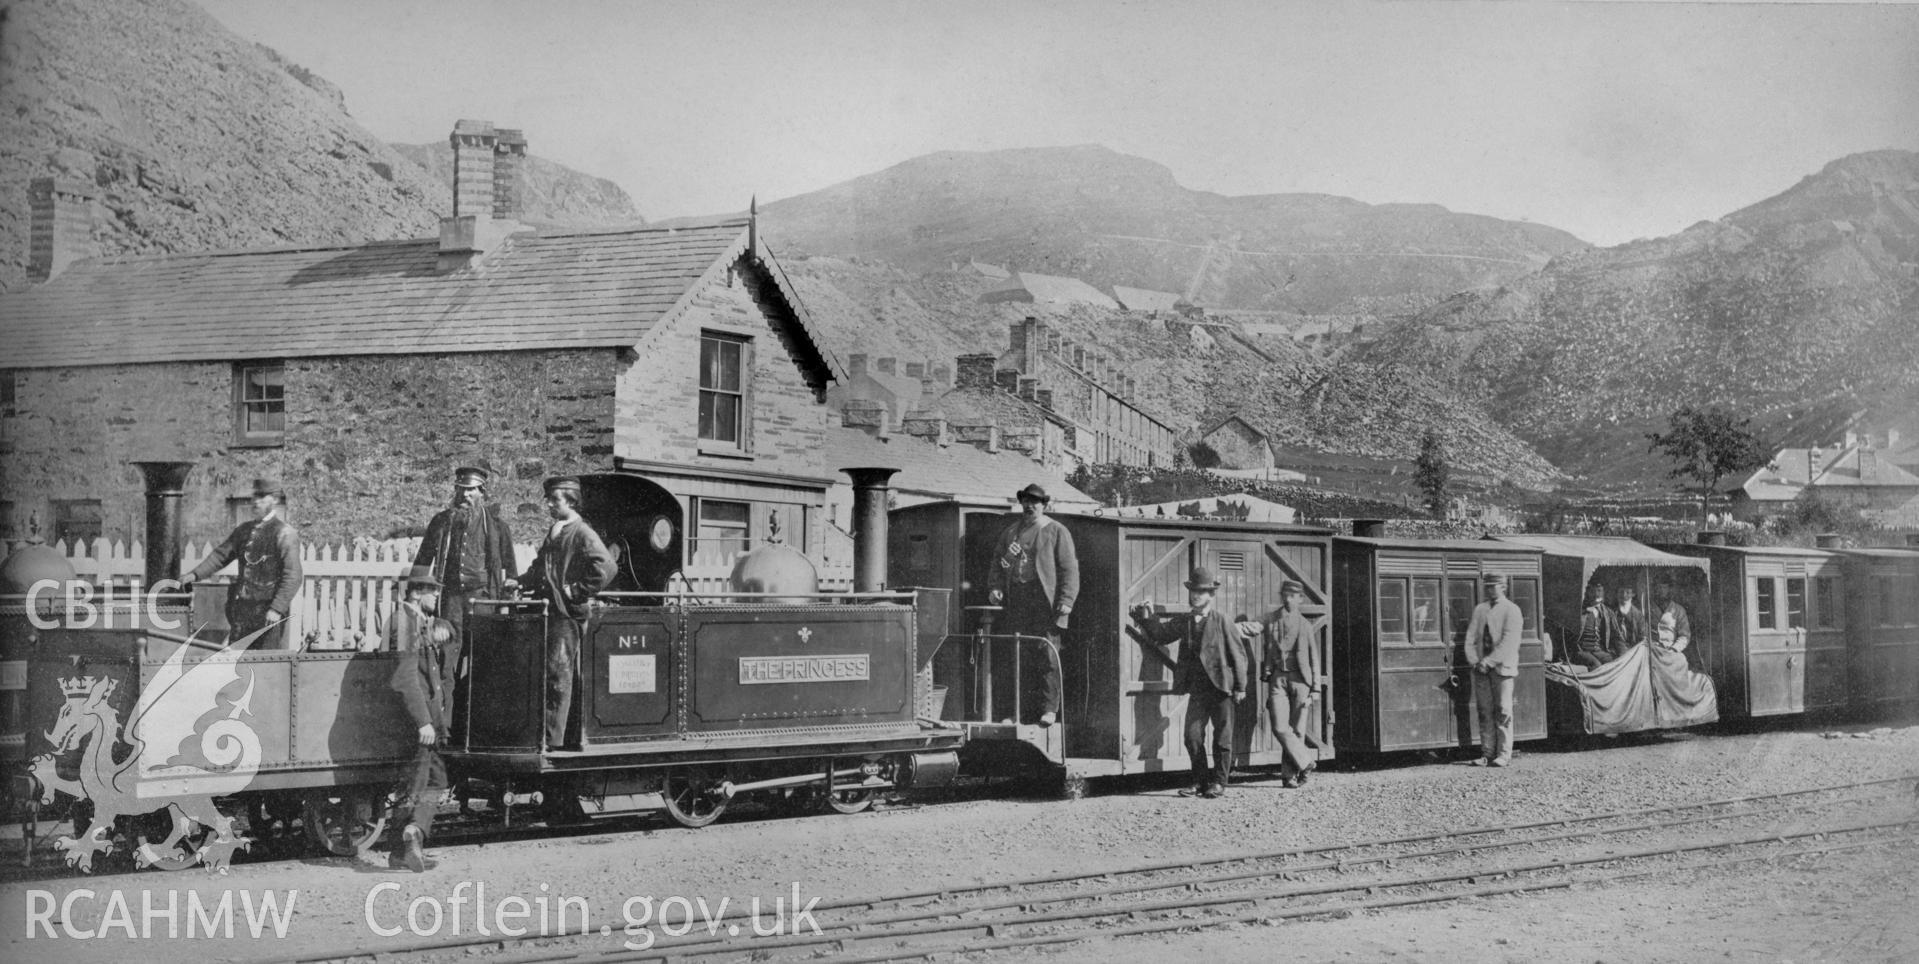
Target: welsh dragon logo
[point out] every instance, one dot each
(168, 724)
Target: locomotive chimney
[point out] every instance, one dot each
(870, 493)
(1369, 528)
(166, 486)
(1711, 537)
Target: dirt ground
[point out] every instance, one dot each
(1860, 906)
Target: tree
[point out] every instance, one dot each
(1707, 445)
(1432, 473)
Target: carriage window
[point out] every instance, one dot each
(1825, 602)
(1526, 596)
(1392, 610)
(1460, 599)
(1765, 597)
(1426, 610)
(1796, 603)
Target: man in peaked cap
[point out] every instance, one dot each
(420, 676)
(572, 566)
(469, 548)
(268, 552)
(1215, 672)
(1035, 575)
(1492, 650)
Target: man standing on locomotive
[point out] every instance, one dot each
(268, 550)
(1289, 665)
(1214, 671)
(420, 676)
(1035, 575)
(469, 549)
(572, 566)
(1492, 649)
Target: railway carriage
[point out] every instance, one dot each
(1780, 622)
(1647, 688)
(1882, 621)
(1401, 611)
(1120, 714)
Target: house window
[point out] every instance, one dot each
(722, 527)
(259, 403)
(723, 364)
(76, 520)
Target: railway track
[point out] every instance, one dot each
(1284, 885)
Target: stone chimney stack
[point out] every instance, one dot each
(941, 376)
(1028, 389)
(887, 365)
(474, 142)
(60, 231)
(867, 416)
(1044, 397)
(509, 163)
(916, 370)
(930, 426)
(976, 371)
(1007, 380)
(476, 227)
(856, 364)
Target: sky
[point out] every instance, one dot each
(1611, 120)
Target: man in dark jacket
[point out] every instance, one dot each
(1035, 575)
(1215, 669)
(1289, 664)
(268, 551)
(1597, 641)
(469, 548)
(419, 676)
(572, 566)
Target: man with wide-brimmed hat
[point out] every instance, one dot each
(420, 677)
(1492, 652)
(1035, 575)
(268, 551)
(469, 548)
(1214, 671)
(572, 566)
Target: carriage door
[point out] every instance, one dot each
(1247, 590)
(1462, 595)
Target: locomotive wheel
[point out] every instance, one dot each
(693, 798)
(347, 825)
(848, 801)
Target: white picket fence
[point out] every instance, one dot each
(349, 590)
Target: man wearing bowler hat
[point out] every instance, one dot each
(469, 548)
(419, 675)
(1215, 669)
(1492, 651)
(268, 551)
(572, 566)
(1035, 575)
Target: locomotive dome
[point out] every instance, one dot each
(34, 562)
(776, 568)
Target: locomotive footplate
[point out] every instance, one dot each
(715, 748)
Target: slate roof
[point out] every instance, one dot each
(1049, 289)
(1853, 467)
(957, 471)
(1144, 299)
(534, 291)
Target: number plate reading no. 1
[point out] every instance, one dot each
(805, 669)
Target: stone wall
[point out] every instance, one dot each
(370, 444)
